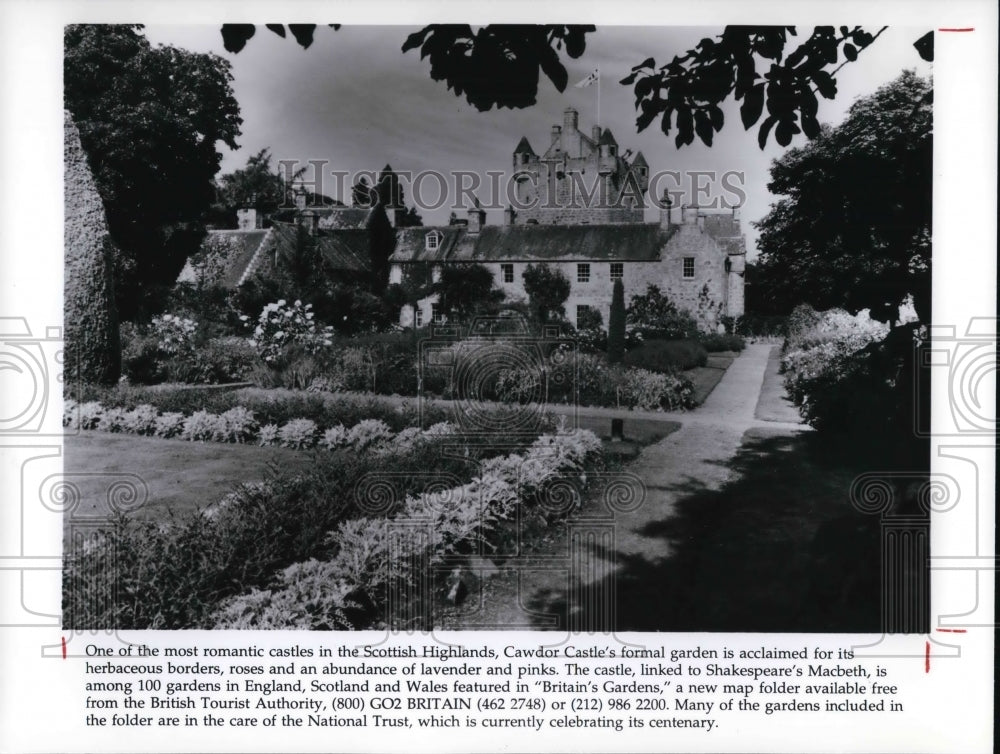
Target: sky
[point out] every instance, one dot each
(355, 101)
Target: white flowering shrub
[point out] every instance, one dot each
(113, 420)
(236, 425)
(201, 425)
(268, 435)
(169, 424)
(298, 433)
(71, 413)
(367, 433)
(441, 429)
(90, 414)
(334, 437)
(281, 325)
(141, 420)
(174, 334)
(820, 344)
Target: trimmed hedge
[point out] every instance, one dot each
(667, 356)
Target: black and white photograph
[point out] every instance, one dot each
(536, 327)
(626, 383)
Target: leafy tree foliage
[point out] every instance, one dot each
(465, 290)
(656, 316)
(149, 120)
(499, 65)
(853, 228)
(686, 93)
(258, 185)
(547, 289)
(616, 324)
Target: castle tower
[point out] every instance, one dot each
(580, 179)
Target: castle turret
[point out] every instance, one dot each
(608, 149)
(523, 153)
(640, 169)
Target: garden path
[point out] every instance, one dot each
(694, 459)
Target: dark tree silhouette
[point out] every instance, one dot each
(149, 120)
(547, 290)
(616, 324)
(853, 228)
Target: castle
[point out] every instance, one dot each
(581, 210)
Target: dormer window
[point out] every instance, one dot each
(433, 240)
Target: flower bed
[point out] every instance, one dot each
(275, 406)
(379, 554)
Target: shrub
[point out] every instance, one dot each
(656, 317)
(238, 424)
(667, 356)
(201, 425)
(298, 433)
(141, 420)
(174, 334)
(113, 420)
(616, 324)
(368, 432)
(715, 343)
(281, 325)
(334, 437)
(169, 424)
(268, 435)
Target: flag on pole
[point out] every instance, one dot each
(590, 80)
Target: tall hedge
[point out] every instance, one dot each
(616, 324)
(92, 351)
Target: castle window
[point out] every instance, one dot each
(418, 317)
(437, 316)
(433, 240)
(583, 273)
(507, 273)
(688, 269)
(617, 270)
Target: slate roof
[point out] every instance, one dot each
(523, 147)
(336, 218)
(635, 242)
(343, 249)
(244, 246)
(608, 138)
(640, 161)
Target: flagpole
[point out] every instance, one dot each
(599, 95)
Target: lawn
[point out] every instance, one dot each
(707, 377)
(180, 475)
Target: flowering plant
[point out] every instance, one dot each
(281, 325)
(174, 334)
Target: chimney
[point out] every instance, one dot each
(571, 119)
(595, 134)
(666, 207)
(309, 220)
(300, 197)
(477, 218)
(557, 135)
(248, 219)
(509, 215)
(689, 214)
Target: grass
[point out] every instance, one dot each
(704, 379)
(180, 476)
